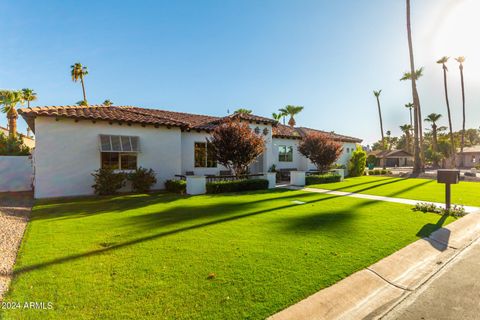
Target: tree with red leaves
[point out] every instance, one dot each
(320, 149)
(236, 146)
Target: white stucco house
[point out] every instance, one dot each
(74, 141)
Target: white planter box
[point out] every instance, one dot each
(272, 179)
(297, 178)
(196, 185)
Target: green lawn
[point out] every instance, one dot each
(464, 193)
(150, 256)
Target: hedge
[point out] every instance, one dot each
(236, 185)
(377, 172)
(176, 186)
(323, 178)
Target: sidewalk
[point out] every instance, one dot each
(450, 294)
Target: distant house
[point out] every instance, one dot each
(393, 158)
(470, 155)
(74, 141)
(28, 141)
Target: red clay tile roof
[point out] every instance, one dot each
(186, 121)
(283, 131)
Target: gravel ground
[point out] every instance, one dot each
(14, 213)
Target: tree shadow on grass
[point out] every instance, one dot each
(365, 183)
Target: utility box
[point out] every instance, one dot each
(449, 176)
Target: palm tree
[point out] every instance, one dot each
(29, 95)
(418, 136)
(282, 114)
(243, 111)
(107, 103)
(389, 139)
(377, 95)
(292, 111)
(407, 131)
(433, 119)
(9, 100)
(443, 61)
(78, 73)
(410, 107)
(277, 116)
(461, 60)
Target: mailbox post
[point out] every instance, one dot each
(448, 177)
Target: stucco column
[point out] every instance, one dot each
(272, 179)
(196, 185)
(297, 178)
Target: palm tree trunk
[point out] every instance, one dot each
(418, 166)
(83, 89)
(411, 123)
(12, 123)
(435, 144)
(381, 129)
(452, 141)
(463, 122)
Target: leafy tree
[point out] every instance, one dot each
(320, 149)
(357, 163)
(78, 72)
(243, 111)
(107, 103)
(82, 103)
(236, 146)
(292, 111)
(12, 146)
(10, 100)
(443, 62)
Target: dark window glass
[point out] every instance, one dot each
(110, 160)
(200, 154)
(115, 143)
(285, 153)
(128, 161)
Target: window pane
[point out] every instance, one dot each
(200, 154)
(126, 143)
(135, 145)
(289, 155)
(105, 143)
(110, 160)
(211, 160)
(128, 161)
(116, 143)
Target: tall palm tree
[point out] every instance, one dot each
(407, 131)
(277, 116)
(418, 132)
(292, 111)
(78, 73)
(9, 100)
(443, 62)
(410, 106)
(377, 95)
(461, 60)
(243, 111)
(107, 103)
(282, 114)
(433, 119)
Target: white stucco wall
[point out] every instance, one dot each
(16, 173)
(188, 153)
(67, 152)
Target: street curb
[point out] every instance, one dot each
(376, 290)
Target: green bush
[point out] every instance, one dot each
(236, 185)
(323, 178)
(371, 172)
(107, 181)
(377, 172)
(176, 186)
(12, 146)
(142, 179)
(356, 167)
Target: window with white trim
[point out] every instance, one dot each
(285, 153)
(203, 156)
(119, 152)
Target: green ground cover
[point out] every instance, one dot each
(464, 193)
(150, 256)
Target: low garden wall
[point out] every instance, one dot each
(16, 173)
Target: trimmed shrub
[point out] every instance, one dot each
(323, 178)
(142, 179)
(356, 167)
(237, 185)
(107, 181)
(371, 172)
(176, 186)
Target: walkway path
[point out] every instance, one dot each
(468, 209)
(14, 212)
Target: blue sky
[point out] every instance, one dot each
(211, 56)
